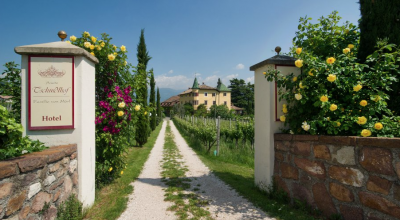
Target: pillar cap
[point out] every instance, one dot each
(54, 48)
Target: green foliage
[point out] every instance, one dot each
(325, 38)
(334, 93)
(71, 209)
(12, 144)
(201, 111)
(159, 110)
(189, 109)
(242, 94)
(379, 20)
(153, 102)
(219, 110)
(11, 86)
(142, 128)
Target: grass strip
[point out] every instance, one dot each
(112, 199)
(186, 205)
(241, 178)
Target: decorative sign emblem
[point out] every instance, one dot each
(51, 93)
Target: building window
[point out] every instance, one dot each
(196, 94)
(213, 94)
(224, 93)
(214, 102)
(225, 103)
(205, 94)
(196, 102)
(205, 102)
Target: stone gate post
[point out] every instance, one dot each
(267, 110)
(58, 103)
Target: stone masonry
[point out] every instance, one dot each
(29, 181)
(356, 177)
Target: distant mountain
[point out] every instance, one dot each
(166, 93)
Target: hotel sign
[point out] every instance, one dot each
(50, 92)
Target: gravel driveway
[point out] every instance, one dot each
(147, 199)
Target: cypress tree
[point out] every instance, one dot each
(380, 19)
(153, 102)
(158, 105)
(142, 127)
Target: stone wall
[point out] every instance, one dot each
(354, 176)
(29, 181)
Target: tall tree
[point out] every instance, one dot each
(142, 127)
(379, 20)
(153, 102)
(158, 105)
(242, 94)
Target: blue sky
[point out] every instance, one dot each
(214, 38)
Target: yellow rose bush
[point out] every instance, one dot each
(332, 78)
(116, 83)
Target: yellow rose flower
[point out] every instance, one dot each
(330, 60)
(145, 113)
(284, 106)
(93, 39)
(378, 126)
(377, 98)
(363, 103)
(265, 73)
(110, 169)
(72, 38)
(122, 172)
(98, 47)
(346, 50)
(357, 88)
(284, 110)
(351, 46)
(86, 34)
(311, 72)
(137, 107)
(87, 44)
(115, 47)
(123, 48)
(299, 63)
(115, 53)
(337, 124)
(331, 78)
(333, 107)
(282, 118)
(125, 63)
(301, 85)
(298, 50)
(295, 79)
(121, 105)
(324, 98)
(362, 120)
(92, 54)
(68, 42)
(111, 57)
(120, 113)
(298, 96)
(366, 133)
(102, 44)
(91, 47)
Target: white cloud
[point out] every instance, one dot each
(171, 71)
(173, 82)
(216, 72)
(250, 79)
(211, 80)
(239, 66)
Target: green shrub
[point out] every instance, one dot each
(71, 209)
(334, 94)
(12, 144)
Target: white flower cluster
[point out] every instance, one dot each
(305, 126)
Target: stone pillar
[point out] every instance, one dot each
(47, 102)
(267, 110)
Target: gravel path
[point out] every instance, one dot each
(147, 200)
